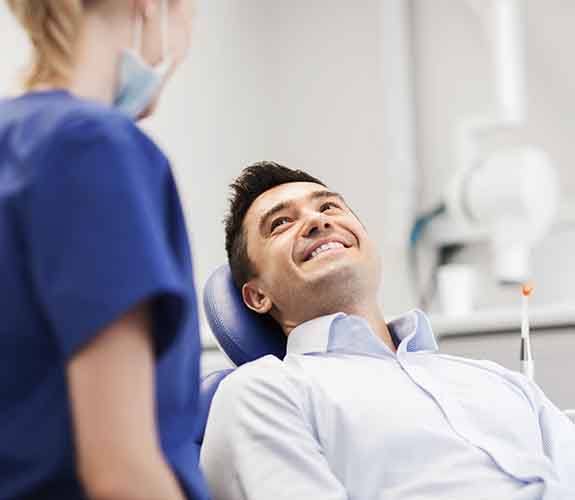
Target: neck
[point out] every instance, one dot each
(371, 312)
(94, 74)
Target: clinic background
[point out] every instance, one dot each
(366, 95)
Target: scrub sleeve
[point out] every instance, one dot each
(97, 239)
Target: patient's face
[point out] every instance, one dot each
(311, 254)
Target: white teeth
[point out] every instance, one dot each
(325, 247)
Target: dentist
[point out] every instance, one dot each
(99, 343)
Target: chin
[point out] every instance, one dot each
(333, 288)
(337, 276)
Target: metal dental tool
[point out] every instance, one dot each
(527, 367)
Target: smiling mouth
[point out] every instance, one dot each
(325, 249)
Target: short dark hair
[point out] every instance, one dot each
(252, 182)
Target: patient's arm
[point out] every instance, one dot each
(558, 435)
(259, 443)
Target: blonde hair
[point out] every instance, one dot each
(52, 27)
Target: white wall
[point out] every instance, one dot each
(455, 80)
(308, 84)
(296, 82)
(214, 118)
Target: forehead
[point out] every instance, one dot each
(291, 192)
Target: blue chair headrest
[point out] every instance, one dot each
(242, 334)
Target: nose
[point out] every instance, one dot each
(316, 224)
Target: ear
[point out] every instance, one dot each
(255, 298)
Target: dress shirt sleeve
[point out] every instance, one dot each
(558, 436)
(259, 443)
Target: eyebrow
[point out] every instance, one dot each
(282, 205)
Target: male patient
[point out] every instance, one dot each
(359, 408)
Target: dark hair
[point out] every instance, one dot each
(252, 182)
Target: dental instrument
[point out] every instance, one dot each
(527, 367)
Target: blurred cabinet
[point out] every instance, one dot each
(496, 336)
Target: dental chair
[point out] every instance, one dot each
(242, 334)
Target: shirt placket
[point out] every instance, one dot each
(521, 467)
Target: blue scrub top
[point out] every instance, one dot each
(90, 225)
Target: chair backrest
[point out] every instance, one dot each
(242, 334)
(208, 388)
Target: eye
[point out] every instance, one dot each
(330, 204)
(279, 222)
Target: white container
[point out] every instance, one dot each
(456, 286)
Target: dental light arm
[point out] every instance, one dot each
(511, 195)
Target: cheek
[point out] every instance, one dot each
(367, 245)
(272, 260)
(279, 257)
(354, 227)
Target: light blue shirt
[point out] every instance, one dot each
(344, 417)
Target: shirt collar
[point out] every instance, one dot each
(340, 332)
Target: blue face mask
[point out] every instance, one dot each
(139, 83)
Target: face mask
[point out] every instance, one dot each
(139, 82)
